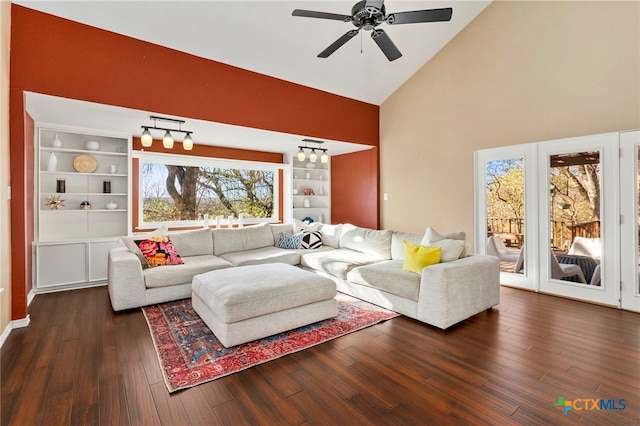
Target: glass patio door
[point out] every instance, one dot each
(505, 186)
(579, 243)
(630, 218)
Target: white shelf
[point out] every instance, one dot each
(79, 238)
(317, 179)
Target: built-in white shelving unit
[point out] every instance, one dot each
(91, 173)
(317, 206)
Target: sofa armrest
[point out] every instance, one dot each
(125, 280)
(453, 291)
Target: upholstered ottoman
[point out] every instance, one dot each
(247, 303)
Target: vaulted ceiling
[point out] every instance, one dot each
(264, 37)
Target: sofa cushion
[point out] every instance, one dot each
(387, 276)
(182, 274)
(331, 235)
(397, 243)
(369, 241)
(337, 262)
(193, 243)
(416, 258)
(311, 240)
(263, 255)
(289, 241)
(279, 228)
(240, 239)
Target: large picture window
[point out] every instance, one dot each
(178, 190)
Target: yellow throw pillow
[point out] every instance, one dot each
(417, 257)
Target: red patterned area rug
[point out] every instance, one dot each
(190, 354)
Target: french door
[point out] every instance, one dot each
(579, 190)
(630, 218)
(583, 189)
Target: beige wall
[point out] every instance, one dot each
(520, 72)
(5, 241)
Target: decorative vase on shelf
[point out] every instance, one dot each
(321, 190)
(307, 176)
(92, 145)
(52, 163)
(111, 205)
(306, 203)
(56, 143)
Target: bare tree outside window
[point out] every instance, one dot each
(183, 193)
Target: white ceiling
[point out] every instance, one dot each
(262, 36)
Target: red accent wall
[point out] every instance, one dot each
(355, 188)
(55, 56)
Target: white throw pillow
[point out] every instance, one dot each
(451, 249)
(431, 236)
(299, 226)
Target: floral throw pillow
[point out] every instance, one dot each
(159, 251)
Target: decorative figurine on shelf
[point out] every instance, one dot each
(307, 191)
(308, 220)
(85, 205)
(55, 202)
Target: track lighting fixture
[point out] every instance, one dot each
(167, 140)
(313, 156)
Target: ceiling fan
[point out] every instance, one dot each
(367, 15)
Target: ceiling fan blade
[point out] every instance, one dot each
(321, 15)
(417, 16)
(385, 44)
(338, 43)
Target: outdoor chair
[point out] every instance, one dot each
(582, 246)
(561, 270)
(496, 247)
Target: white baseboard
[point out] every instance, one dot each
(13, 324)
(30, 297)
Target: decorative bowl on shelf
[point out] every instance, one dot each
(92, 146)
(310, 165)
(85, 163)
(111, 205)
(85, 205)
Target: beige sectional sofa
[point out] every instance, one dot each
(364, 263)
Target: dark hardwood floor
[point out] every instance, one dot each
(80, 363)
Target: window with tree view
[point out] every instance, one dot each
(173, 192)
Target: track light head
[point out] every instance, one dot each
(187, 142)
(167, 140)
(146, 137)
